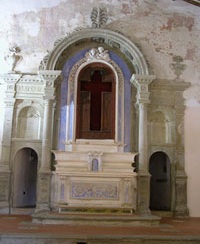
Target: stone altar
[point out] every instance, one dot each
(94, 174)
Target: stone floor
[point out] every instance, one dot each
(20, 229)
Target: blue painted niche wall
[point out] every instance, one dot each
(64, 93)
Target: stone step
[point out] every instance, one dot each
(95, 219)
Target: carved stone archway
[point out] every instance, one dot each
(88, 38)
(113, 39)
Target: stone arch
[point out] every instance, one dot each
(88, 36)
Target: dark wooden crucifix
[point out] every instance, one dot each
(96, 87)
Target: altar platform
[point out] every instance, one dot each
(20, 229)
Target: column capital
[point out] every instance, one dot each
(49, 77)
(141, 82)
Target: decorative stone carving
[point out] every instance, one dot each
(13, 58)
(94, 190)
(141, 82)
(97, 54)
(98, 35)
(44, 61)
(178, 67)
(99, 17)
(49, 77)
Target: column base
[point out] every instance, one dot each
(5, 192)
(143, 193)
(181, 212)
(181, 209)
(43, 191)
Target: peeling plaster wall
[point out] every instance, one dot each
(161, 29)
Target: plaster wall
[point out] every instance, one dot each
(192, 156)
(162, 30)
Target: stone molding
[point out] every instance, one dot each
(24, 86)
(110, 38)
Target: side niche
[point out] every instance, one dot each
(29, 123)
(161, 129)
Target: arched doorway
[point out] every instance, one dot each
(25, 177)
(160, 183)
(96, 103)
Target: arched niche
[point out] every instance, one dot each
(71, 94)
(161, 127)
(25, 178)
(160, 183)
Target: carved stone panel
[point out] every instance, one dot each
(95, 190)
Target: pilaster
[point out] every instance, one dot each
(44, 176)
(141, 82)
(181, 209)
(10, 81)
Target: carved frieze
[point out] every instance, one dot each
(30, 88)
(94, 190)
(114, 39)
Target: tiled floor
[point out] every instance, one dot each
(22, 224)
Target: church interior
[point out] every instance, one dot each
(100, 110)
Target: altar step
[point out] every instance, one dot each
(95, 219)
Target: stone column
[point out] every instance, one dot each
(44, 176)
(141, 82)
(6, 125)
